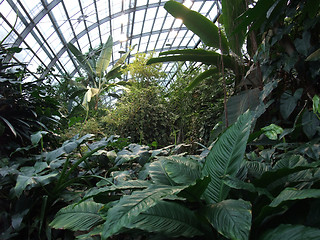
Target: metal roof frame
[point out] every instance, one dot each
(129, 8)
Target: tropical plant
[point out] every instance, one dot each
(225, 194)
(168, 199)
(230, 44)
(141, 112)
(95, 68)
(25, 106)
(33, 187)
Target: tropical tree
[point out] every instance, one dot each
(98, 80)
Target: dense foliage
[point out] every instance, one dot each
(254, 177)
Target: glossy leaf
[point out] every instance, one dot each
(315, 56)
(104, 58)
(80, 217)
(130, 206)
(316, 104)
(288, 102)
(125, 185)
(290, 194)
(292, 232)
(174, 170)
(206, 74)
(170, 219)
(23, 181)
(36, 137)
(272, 131)
(10, 126)
(82, 60)
(226, 158)
(194, 55)
(159, 174)
(309, 123)
(231, 218)
(199, 24)
(239, 104)
(235, 183)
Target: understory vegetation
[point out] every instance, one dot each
(227, 150)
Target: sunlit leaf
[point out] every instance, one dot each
(104, 58)
(199, 24)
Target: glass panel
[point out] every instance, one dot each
(31, 42)
(45, 26)
(33, 7)
(151, 13)
(142, 2)
(137, 28)
(147, 26)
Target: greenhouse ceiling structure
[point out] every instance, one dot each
(43, 28)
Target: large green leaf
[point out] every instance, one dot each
(195, 55)
(288, 102)
(159, 174)
(174, 170)
(231, 218)
(126, 185)
(24, 181)
(226, 158)
(80, 217)
(255, 16)
(231, 10)
(292, 232)
(130, 206)
(104, 58)
(238, 184)
(82, 60)
(201, 77)
(310, 122)
(170, 219)
(290, 194)
(199, 24)
(239, 104)
(315, 56)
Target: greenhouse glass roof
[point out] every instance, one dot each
(44, 27)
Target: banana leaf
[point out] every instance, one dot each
(199, 24)
(195, 55)
(82, 60)
(104, 58)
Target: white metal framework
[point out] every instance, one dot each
(44, 27)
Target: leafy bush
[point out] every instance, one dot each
(141, 114)
(25, 107)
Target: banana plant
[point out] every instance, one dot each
(225, 53)
(211, 36)
(99, 81)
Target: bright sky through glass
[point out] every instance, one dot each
(44, 27)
